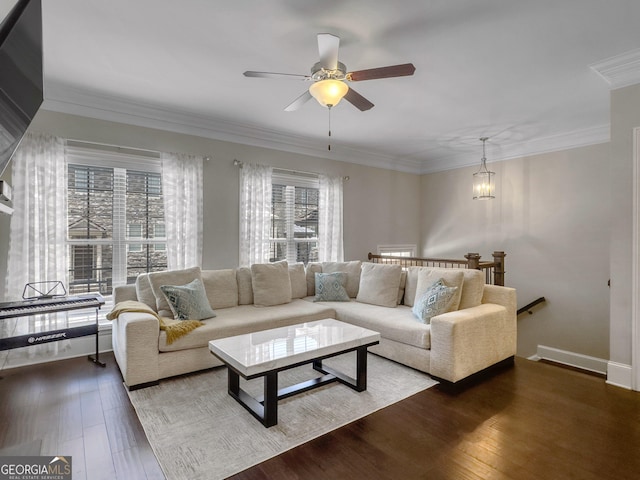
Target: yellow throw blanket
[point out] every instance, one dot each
(173, 328)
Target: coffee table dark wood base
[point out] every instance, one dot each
(265, 407)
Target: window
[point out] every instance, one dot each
(397, 250)
(294, 218)
(115, 218)
(134, 232)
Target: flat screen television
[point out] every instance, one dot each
(21, 80)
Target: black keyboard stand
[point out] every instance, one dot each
(16, 310)
(96, 358)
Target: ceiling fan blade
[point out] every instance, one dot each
(382, 72)
(291, 76)
(298, 102)
(328, 48)
(358, 100)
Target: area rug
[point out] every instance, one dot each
(197, 431)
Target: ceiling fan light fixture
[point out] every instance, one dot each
(328, 92)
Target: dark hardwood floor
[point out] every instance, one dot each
(533, 421)
(78, 409)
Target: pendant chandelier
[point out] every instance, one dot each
(483, 180)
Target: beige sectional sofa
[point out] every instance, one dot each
(477, 331)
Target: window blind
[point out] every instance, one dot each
(294, 225)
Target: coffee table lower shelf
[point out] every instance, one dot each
(265, 407)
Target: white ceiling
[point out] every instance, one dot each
(513, 70)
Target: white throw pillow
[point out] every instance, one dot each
(170, 277)
(271, 284)
(144, 292)
(298, 279)
(310, 272)
(245, 289)
(411, 285)
(452, 277)
(472, 288)
(352, 269)
(379, 284)
(221, 287)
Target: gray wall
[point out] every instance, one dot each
(551, 216)
(379, 205)
(625, 116)
(564, 219)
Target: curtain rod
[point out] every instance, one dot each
(239, 164)
(108, 146)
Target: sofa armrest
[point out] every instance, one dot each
(504, 296)
(135, 346)
(122, 293)
(467, 341)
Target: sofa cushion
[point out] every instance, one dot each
(310, 272)
(451, 277)
(472, 288)
(245, 289)
(379, 284)
(144, 292)
(221, 287)
(188, 302)
(170, 277)
(395, 323)
(330, 287)
(271, 284)
(248, 319)
(298, 279)
(352, 269)
(411, 285)
(434, 301)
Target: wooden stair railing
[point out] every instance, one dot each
(527, 308)
(494, 271)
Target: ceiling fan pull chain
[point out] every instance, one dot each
(329, 146)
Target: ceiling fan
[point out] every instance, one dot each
(329, 77)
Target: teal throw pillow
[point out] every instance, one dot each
(188, 302)
(330, 287)
(434, 301)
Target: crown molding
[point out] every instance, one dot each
(75, 101)
(621, 70)
(81, 102)
(538, 146)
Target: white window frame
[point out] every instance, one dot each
(120, 163)
(402, 250)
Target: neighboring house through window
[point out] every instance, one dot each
(115, 219)
(294, 218)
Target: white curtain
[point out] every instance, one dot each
(38, 229)
(255, 213)
(330, 243)
(182, 191)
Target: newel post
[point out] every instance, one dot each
(473, 260)
(498, 272)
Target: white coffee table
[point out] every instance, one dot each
(265, 353)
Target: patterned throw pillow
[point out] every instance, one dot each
(330, 287)
(188, 302)
(434, 301)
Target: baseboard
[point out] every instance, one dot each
(620, 375)
(572, 359)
